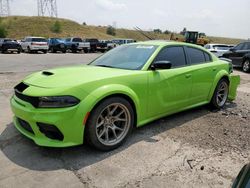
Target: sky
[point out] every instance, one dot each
(226, 18)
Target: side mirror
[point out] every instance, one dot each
(161, 65)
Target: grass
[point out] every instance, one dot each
(20, 26)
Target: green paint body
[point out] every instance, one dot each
(155, 94)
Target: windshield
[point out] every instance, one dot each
(132, 57)
(221, 47)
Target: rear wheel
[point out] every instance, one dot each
(246, 66)
(220, 94)
(45, 51)
(28, 50)
(110, 123)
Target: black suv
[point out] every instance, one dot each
(96, 45)
(57, 44)
(240, 56)
(9, 45)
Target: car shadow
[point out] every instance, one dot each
(23, 152)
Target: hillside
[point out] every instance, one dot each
(20, 26)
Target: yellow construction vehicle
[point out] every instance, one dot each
(193, 37)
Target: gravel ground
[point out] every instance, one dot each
(195, 148)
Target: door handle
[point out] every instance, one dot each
(214, 69)
(188, 75)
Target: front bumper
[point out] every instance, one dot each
(69, 122)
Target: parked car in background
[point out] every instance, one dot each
(57, 44)
(110, 44)
(123, 41)
(127, 87)
(76, 44)
(218, 49)
(96, 45)
(9, 45)
(35, 44)
(240, 56)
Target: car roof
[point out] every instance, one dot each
(36, 37)
(213, 44)
(168, 42)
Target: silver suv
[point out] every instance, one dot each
(35, 44)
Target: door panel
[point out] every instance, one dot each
(203, 76)
(169, 90)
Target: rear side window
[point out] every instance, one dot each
(174, 55)
(207, 57)
(239, 46)
(196, 56)
(77, 40)
(246, 46)
(207, 46)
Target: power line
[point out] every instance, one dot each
(47, 8)
(4, 8)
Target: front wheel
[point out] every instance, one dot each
(246, 66)
(220, 94)
(109, 124)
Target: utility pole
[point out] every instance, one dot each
(47, 8)
(4, 8)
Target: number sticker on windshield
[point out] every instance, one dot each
(145, 47)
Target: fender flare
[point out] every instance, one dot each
(219, 75)
(114, 89)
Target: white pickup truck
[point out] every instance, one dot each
(75, 44)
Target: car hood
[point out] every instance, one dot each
(73, 76)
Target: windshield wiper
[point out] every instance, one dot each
(105, 66)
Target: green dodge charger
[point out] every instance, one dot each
(128, 87)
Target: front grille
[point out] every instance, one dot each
(25, 125)
(50, 131)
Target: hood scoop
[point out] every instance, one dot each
(47, 73)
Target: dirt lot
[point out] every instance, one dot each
(196, 148)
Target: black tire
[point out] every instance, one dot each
(53, 50)
(28, 50)
(64, 51)
(45, 51)
(86, 51)
(91, 129)
(215, 101)
(19, 51)
(246, 66)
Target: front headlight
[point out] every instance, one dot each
(57, 102)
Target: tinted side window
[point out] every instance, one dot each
(175, 55)
(239, 46)
(246, 46)
(77, 40)
(196, 56)
(207, 57)
(207, 46)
